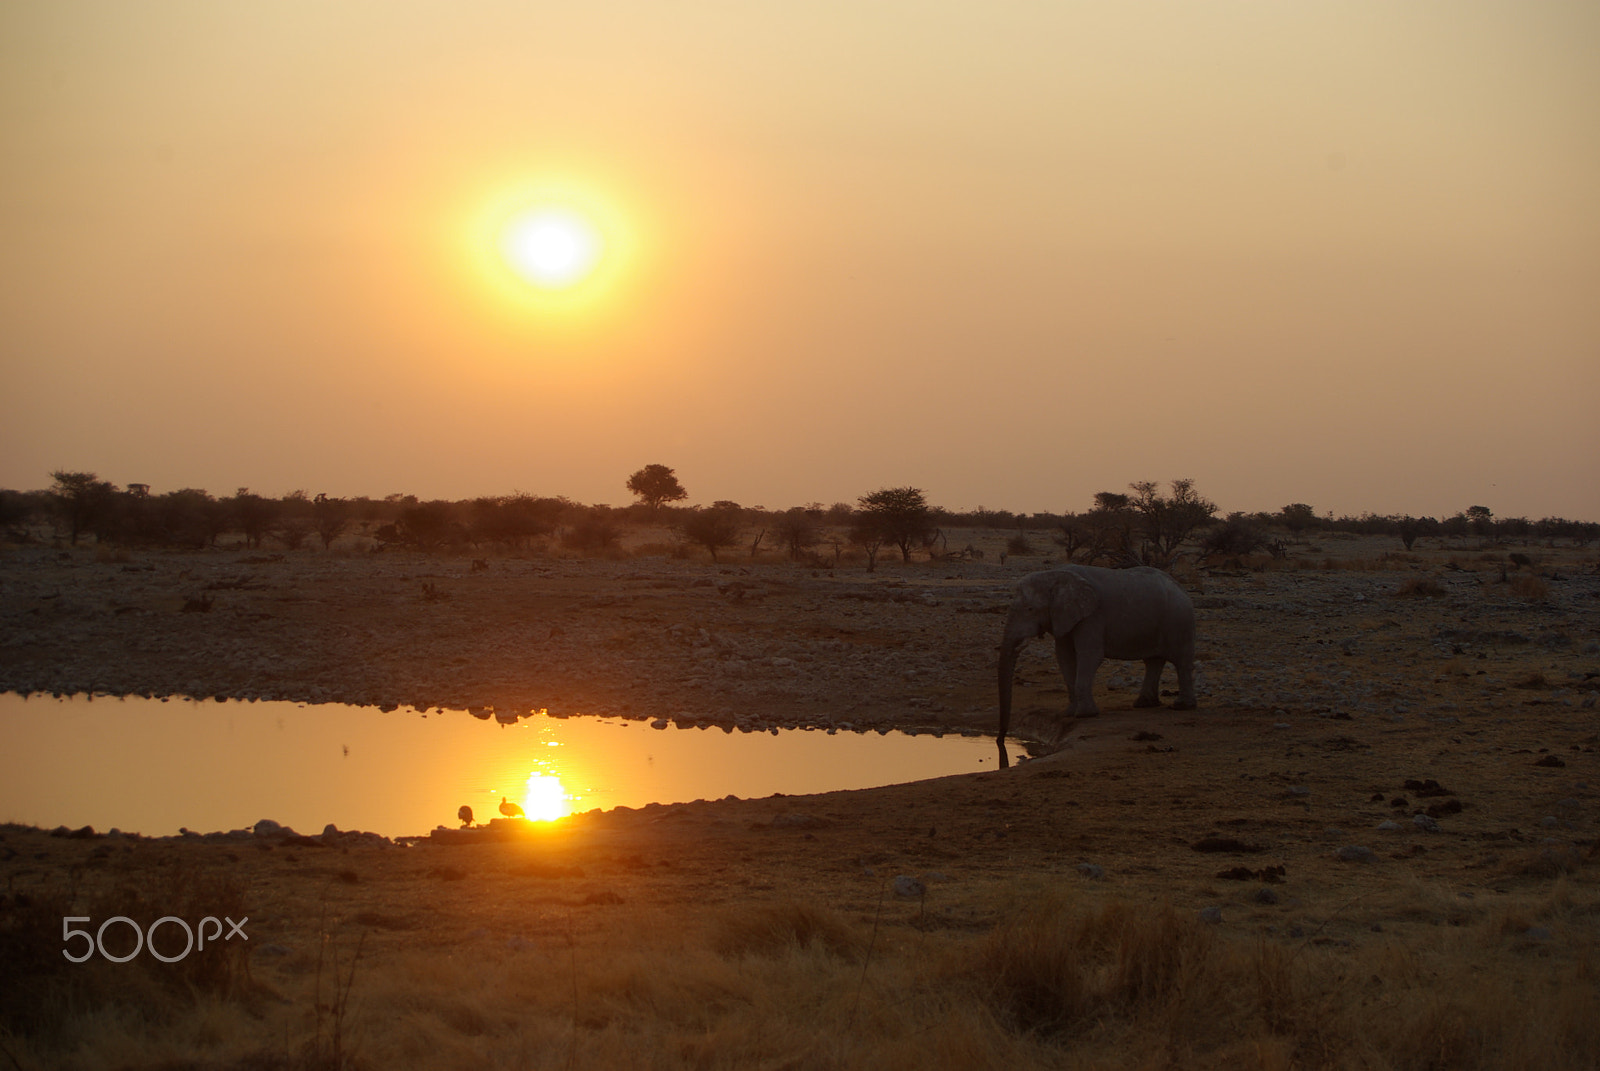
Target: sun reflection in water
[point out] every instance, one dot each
(544, 799)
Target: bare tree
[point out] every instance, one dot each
(1169, 521)
(798, 529)
(1074, 534)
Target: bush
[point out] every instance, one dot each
(590, 534)
(1529, 586)
(712, 528)
(1419, 587)
(1234, 537)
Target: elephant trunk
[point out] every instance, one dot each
(1008, 665)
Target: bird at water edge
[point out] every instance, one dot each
(510, 810)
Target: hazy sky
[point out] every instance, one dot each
(1343, 253)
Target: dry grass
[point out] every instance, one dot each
(1060, 982)
(1418, 587)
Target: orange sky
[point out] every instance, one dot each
(1340, 253)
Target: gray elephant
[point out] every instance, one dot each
(1137, 614)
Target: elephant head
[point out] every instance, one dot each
(1052, 602)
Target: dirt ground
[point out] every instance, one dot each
(1370, 764)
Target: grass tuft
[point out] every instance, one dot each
(772, 929)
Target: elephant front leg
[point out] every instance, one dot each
(1086, 658)
(1067, 659)
(1150, 692)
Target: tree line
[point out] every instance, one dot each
(1142, 524)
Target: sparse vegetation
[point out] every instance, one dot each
(1119, 529)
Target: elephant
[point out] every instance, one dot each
(1137, 614)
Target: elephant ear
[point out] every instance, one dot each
(1074, 600)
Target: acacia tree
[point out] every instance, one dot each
(798, 529)
(82, 498)
(656, 485)
(712, 528)
(1297, 517)
(1072, 534)
(331, 516)
(1109, 526)
(867, 534)
(1169, 521)
(253, 514)
(900, 515)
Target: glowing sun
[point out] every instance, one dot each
(544, 799)
(551, 248)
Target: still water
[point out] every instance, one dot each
(152, 767)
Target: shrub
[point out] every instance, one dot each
(712, 528)
(591, 533)
(799, 529)
(1529, 586)
(1057, 969)
(1234, 536)
(1419, 587)
(1019, 545)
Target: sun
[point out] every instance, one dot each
(557, 257)
(544, 799)
(551, 247)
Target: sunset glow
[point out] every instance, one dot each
(1227, 238)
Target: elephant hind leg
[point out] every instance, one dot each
(1186, 700)
(1150, 692)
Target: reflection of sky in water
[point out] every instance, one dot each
(149, 766)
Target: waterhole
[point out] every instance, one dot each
(154, 767)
